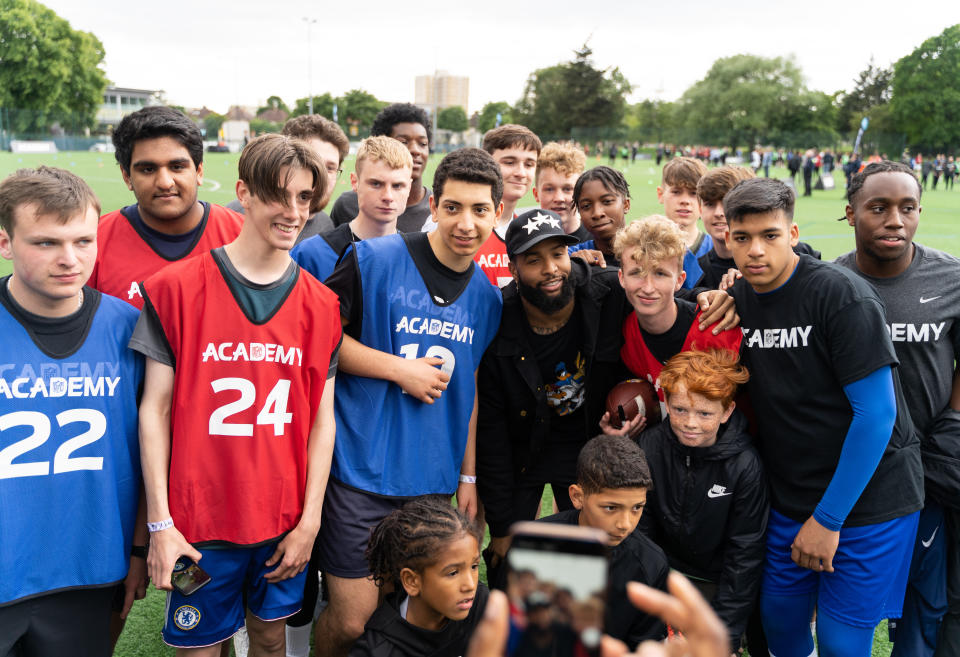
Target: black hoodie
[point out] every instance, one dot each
(708, 511)
(387, 634)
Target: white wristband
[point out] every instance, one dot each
(468, 479)
(159, 526)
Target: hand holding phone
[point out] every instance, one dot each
(557, 585)
(188, 577)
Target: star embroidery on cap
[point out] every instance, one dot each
(534, 223)
(553, 221)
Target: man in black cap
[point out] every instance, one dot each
(544, 379)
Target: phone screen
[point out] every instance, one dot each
(557, 589)
(187, 576)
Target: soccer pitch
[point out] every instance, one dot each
(816, 216)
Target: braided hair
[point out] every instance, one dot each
(611, 179)
(411, 537)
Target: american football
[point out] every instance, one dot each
(631, 398)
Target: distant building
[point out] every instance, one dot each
(198, 115)
(442, 90)
(274, 114)
(120, 101)
(236, 126)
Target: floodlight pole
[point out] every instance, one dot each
(309, 22)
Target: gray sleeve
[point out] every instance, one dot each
(149, 339)
(235, 206)
(335, 359)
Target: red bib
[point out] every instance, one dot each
(493, 261)
(124, 258)
(644, 365)
(244, 401)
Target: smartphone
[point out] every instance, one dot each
(557, 586)
(188, 577)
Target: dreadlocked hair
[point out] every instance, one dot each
(884, 166)
(411, 537)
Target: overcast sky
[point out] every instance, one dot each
(218, 53)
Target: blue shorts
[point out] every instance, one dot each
(216, 611)
(870, 569)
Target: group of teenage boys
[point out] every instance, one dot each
(472, 357)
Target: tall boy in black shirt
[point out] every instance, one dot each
(843, 456)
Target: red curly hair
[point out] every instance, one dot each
(714, 374)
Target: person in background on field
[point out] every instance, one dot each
(331, 145)
(409, 125)
(677, 194)
(515, 149)
(558, 167)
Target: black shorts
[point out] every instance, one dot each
(74, 622)
(349, 516)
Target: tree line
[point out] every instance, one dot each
(55, 74)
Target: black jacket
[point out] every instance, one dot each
(708, 511)
(636, 559)
(941, 460)
(386, 634)
(513, 422)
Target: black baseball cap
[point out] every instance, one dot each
(532, 227)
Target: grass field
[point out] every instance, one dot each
(816, 217)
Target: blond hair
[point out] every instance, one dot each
(655, 238)
(562, 157)
(384, 149)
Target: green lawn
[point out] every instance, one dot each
(816, 217)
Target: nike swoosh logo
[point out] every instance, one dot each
(922, 300)
(711, 494)
(929, 542)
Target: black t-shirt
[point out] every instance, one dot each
(667, 345)
(714, 267)
(582, 234)
(563, 370)
(443, 283)
(802, 343)
(171, 247)
(57, 337)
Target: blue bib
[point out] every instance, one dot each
(388, 442)
(316, 256)
(69, 457)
